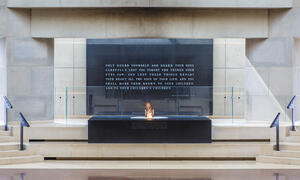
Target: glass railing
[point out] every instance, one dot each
(77, 104)
(231, 105)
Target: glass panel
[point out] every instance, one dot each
(226, 104)
(77, 104)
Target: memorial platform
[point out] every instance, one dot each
(159, 129)
(239, 141)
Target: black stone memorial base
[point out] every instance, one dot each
(128, 129)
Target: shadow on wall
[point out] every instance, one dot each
(269, 85)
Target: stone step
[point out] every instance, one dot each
(295, 139)
(278, 160)
(290, 146)
(294, 133)
(9, 146)
(7, 139)
(14, 153)
(5, 133)
(283, 153)
(21, 159)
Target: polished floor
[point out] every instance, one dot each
(150, 164)
(149, 170)
(149, 174)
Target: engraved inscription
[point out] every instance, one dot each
(148, 76)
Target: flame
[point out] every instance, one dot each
(149, 112)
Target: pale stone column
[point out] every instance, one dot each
(3, 83)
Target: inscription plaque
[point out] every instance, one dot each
(148, 70)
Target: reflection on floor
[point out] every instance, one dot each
(149, 174)
(151, 165)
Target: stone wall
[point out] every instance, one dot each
(29, 66)
(29, 46)
(159, 23)
(30, 77)
(70, 72)
(276, 59)
(272, 87)
(150, 4)
(2, 78)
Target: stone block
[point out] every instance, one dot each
(281, 80)
(256, 83)
(219, 79)
(235, 53)
(63, 77)
(1, 111)
(104, 3)
(297, 78)
(79, 78)
(2, 53)
(3, 82)
(219, 53)
(125, 24)
(59, 103)
(64, 53)
(297, 52)
(33, 3)
(79, 53)
(30, 52)
(121, 23)
(219, 104)
(3, 21)
(284, 22)
(225, 23)
(235, 77)
(3, 2)
(222, 4)
(69, 23)
(18, 22)
(79, 104)
(167, 24)
(270, 52)
(42, 81)
(297, 110)
(18, 81)
(262, 108)
(33, 107)
(150, 3)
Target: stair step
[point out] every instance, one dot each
(283, 153)
(5, 133)
(294, 133)
(293, 139)
(290, 146)
(7, 139)
(9, 146)
(13, 153)
(278, 160)
(21, 159)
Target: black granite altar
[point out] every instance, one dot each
(172, 129)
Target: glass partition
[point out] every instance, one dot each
(77, 104)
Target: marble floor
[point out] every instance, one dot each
(144, 164)
(59, 174)
(149, 170)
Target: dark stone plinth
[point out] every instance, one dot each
(171, 129)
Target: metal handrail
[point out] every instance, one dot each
(23, 122)
(292, 106)
(275, 123)
(7, 106)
